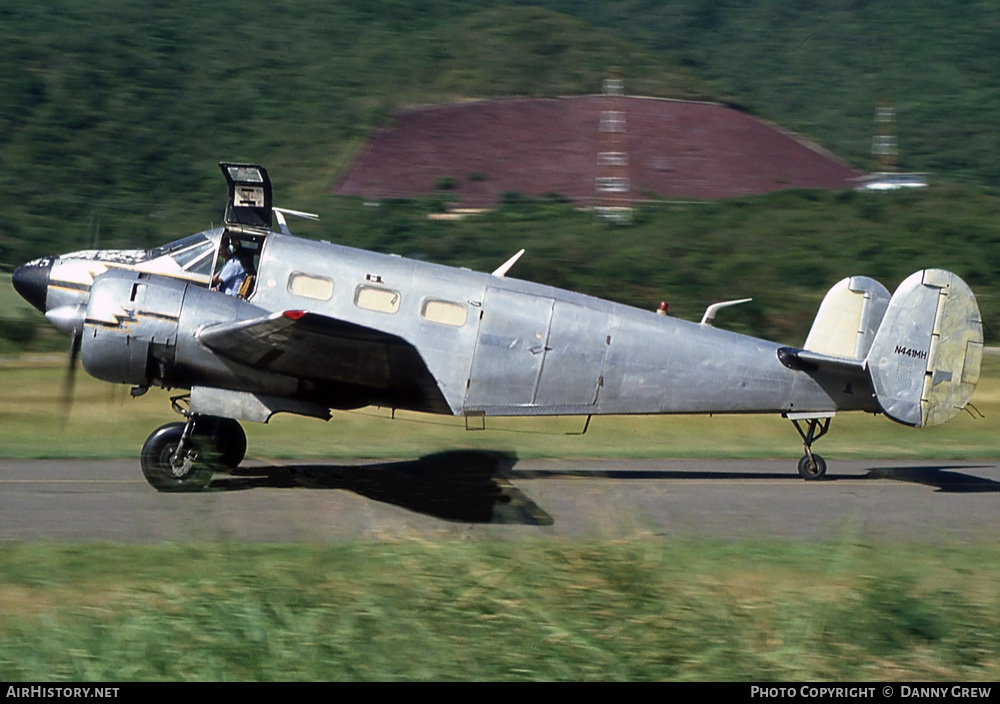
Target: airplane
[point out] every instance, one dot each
(316, 326)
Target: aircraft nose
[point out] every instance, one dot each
(31, 280)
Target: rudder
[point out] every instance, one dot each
(925, 359)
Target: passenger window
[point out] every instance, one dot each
(444, 312)
(382, 300)
(309, 286)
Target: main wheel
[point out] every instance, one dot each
(191, 474)
(223, 439)
(811, 468)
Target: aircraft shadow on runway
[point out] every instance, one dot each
(463, 486)
(943, 478)
(472, 486)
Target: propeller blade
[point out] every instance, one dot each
(69, 380)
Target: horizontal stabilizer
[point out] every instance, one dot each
(809, 361)
(925, 359)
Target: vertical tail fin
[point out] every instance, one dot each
(925, 358)
(848, 318)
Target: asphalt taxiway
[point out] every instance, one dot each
(495, 496)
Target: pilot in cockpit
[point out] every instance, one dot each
(235, 271)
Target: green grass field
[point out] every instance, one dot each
(521, 610)
(105, 422)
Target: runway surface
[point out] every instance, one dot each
(494, 496)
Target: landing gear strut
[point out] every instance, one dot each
(811, 466)
(183, 456)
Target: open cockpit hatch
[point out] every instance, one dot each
(249, 205)
(248, 215)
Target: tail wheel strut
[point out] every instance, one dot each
(811, 429)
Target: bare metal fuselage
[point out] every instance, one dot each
(508, 347)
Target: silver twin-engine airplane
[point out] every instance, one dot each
(299, 326)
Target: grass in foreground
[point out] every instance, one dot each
(499, 611)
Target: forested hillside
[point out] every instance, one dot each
(121, 114)
(820, 68)
(113, 117)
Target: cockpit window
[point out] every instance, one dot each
(244, 172)
(187, 242)
(197, 259)
(191, 258)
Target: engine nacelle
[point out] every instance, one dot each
(141, 329)
(130, 330)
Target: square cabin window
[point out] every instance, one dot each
(444, 312)
(309, 286)
(383, 300)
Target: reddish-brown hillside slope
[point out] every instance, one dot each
(675, 149)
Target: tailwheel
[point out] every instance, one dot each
(811, 466)
(170, 460)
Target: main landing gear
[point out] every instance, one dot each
(811, 466)
(183, 456)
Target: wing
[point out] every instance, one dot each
(347, 362)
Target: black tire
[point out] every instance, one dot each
(155, 462)
(224, 441)
(812, 469)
